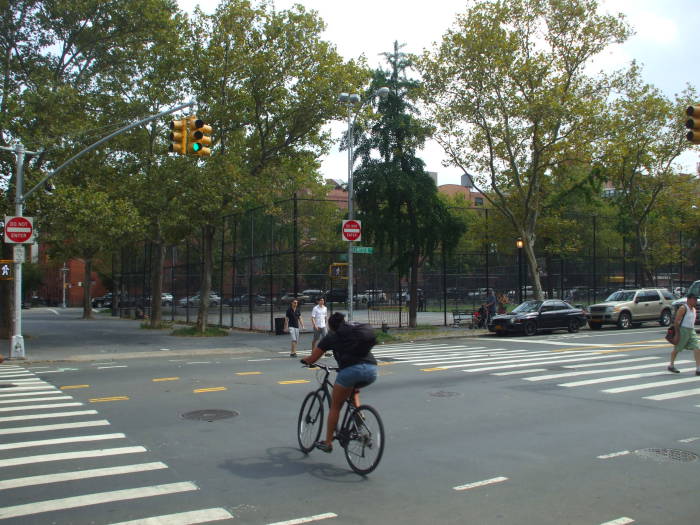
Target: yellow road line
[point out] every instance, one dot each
(432, 369)
(213, 389)
(248, 373)
(294, 382)
(597, 347)
(105, 399)
(157, 379)
(69, 387)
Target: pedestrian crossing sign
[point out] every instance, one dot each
(7, 270)
(338, 271)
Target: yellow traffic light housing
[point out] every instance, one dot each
(693, 124)
(199, 137)
(178, 137)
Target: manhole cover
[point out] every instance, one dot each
(212, 414)
(667, 454)
(444, 393)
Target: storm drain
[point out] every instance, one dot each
(211, 414)
(445, 393)
(667, 454)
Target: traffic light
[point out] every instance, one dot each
(693, 124)
(178, 136)
(199, 137)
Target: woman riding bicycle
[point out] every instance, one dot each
(356, 369)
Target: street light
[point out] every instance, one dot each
(519, 244)
(352, 101)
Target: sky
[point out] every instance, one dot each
(663, 44)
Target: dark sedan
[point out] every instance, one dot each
(533, 316)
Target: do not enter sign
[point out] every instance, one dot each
(352, 230)
(18, 229)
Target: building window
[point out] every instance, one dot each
(478, 201)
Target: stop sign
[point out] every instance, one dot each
(352, 230)
(18, 229)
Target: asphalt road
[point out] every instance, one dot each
(559, 428)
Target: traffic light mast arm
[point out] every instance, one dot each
(24, 197)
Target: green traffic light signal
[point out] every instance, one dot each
(196, 147)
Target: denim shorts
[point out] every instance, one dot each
(365, 373)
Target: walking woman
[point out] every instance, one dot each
(686, 338)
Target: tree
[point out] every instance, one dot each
(398, 200)
(512, 102)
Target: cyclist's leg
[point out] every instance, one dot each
(339, 395)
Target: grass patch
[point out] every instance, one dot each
(160, 326)
(191, 331)
(385, 337)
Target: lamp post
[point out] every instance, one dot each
(519, 244)
(354, 101)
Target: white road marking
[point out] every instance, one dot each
(198, 363)
(491, 481)
(111, 366)
(487, 359)
(631, 360)
(60, 441)
(48, 415)
(614, 454)
(60, 426)
(688, 440)
(24, 381)
(528, 371)
(655, 384)
(255, 360)
(26, 388)
(537, 362)
(35, 399)
(61, 456)
(675, 395)
(79, 474)
(55, 392)
(603, 371)
(183, 518)
(4, 375)
(37, 407)
(619, 521)
(94, 499)
(308, 519)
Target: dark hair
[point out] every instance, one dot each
(335, 321)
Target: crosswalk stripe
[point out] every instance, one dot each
(46, 479)
(554, 360)
(54, 392)
(631, 360)
(59, 426)
(26, 388)
(183, 518)
(514, 372)
(24, 381)
(495, 359)
(675, 395)
(61, 456)
(599, 371)
(34, 399)
(610, 379)
(60, 441)
(48, 415)
(655, 384)
(37, 407)
(39, 507)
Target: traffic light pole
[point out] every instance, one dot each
(17, 342)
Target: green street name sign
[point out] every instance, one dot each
(362, 249)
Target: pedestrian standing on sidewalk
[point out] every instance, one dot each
(490, 305)
(319, 321)
(686, 338)
(294, 322)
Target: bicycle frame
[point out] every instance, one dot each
(324, 390)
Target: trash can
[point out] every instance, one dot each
(279, 325)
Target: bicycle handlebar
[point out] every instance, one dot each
(319, 365)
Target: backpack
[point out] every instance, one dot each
(362, 336)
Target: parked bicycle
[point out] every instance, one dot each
(361, 433)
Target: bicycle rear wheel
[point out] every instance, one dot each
(365, 445)
(310, 422)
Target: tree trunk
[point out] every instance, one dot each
(87, 280)
(157, 283)
(531, 258)
(413, 291)
(207, 256)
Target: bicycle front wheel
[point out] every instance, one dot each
(310, 422)
(365, 444)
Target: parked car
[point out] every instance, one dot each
(694, 289)
(337, 295)
(166, 298)
(531, 316)
(626, 308)
(104, 301)
(214, 300)
(373, 296)
(312, 295)
(290, 296)
(244, 300)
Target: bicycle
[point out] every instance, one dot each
(361, 432)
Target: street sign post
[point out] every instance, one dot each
(352, 230)
(19, 230)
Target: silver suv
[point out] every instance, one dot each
(627, 308)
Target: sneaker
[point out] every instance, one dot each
(673, 369)
(293, 354)
(697, 372)
(323, 447)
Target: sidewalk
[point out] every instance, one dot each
(56, 334)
